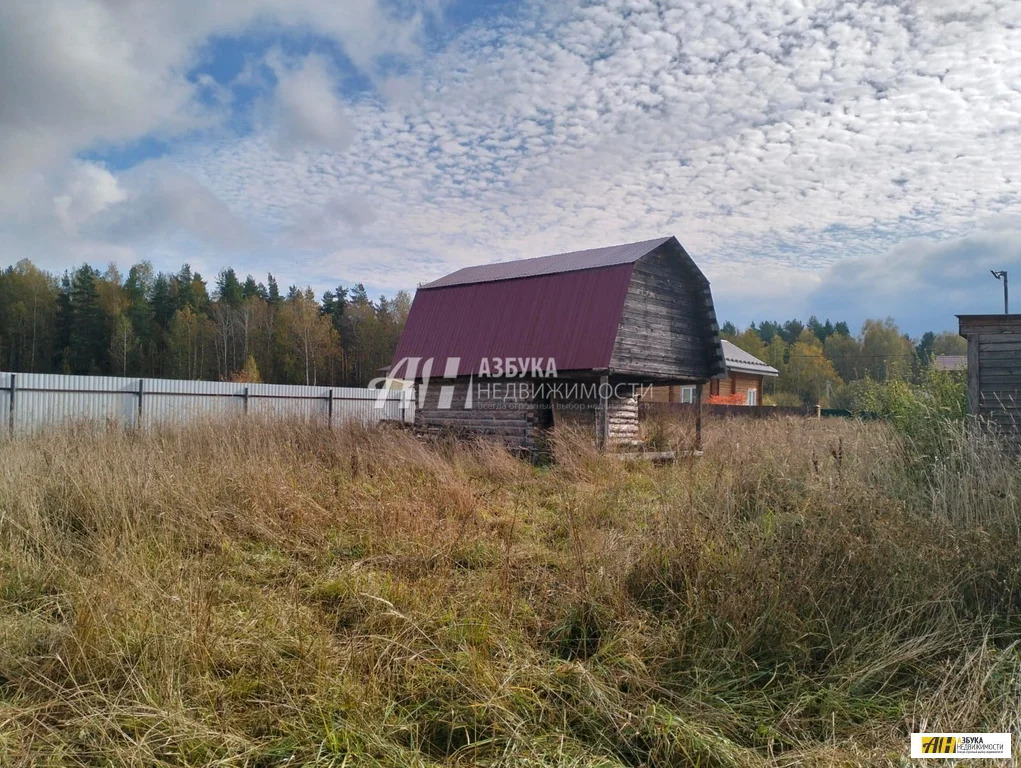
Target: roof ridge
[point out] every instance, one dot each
(744, 359)
(554, 263)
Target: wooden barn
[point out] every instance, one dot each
(509, 350)
(993, 367)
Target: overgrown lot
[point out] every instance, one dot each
(807, 593)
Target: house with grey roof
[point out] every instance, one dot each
(952, 363)
(742, 384)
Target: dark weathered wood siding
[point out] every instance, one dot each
(994, 370)
(667, 327)
(498, 410)
(517, 412)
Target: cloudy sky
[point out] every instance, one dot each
(851, 159)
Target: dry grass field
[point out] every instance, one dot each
(808, 593)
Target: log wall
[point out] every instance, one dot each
(622, 415)
(585, 415)
(501, 410)
(516, 413)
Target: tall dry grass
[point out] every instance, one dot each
(260, 595)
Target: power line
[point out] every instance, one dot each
(857, 356)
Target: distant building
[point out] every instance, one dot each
(741, 386)
(953, 363)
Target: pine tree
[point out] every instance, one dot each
(359, 297)
(162, 301)
(791, 330)
(251, 290)
(767, 330)
(272, 290)
(88, 337)
(137, 289)
(228, 288)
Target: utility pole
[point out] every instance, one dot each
(1002, 275)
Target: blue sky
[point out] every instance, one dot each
(850, 160)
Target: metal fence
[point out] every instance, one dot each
(744, 411)
(30, 402)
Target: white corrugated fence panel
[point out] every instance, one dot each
(43, 400)
(172, 401)
(51, 399)
(409, 405)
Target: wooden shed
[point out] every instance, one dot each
(509, 350)
(994, 371)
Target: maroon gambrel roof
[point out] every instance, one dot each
(566, 307)
(628, 253)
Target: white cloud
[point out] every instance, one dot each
(73, 75)
(777, 135)
(161, 204)
(153, 211)
(92, 74)
(305, 112)
(322, 226)
(777, 140)
(85, 72)
(89, 189)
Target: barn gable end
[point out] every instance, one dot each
(668, 325)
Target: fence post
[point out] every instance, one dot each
(818, 411)
(246, 399)
(329, 408)
(698, 417)
(141, 390)
(10, 412)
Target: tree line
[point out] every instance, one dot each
(160, 324)
(823, 362)
(173, 325)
